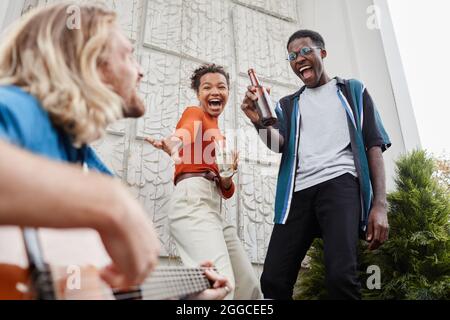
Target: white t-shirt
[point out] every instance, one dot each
(324, 147)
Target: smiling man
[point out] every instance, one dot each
(331, 182)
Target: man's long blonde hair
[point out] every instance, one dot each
(59, 66)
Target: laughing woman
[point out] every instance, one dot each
(195, 220)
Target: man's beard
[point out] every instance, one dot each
(134, 107)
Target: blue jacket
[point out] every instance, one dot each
(366, 131)
(24, 123)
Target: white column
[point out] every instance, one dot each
(405, 109)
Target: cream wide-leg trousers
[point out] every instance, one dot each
(201, 233)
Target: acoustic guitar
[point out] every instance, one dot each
(64, 265)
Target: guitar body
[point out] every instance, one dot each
(13, 265)
(73, 256)
(11, 279)
(49, 264)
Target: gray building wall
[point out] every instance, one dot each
(173, 37)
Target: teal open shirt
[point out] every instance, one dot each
(366, 131)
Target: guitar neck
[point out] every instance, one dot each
(47, 277)
(171, 282)
(39, 271)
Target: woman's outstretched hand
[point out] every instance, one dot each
(170, 145)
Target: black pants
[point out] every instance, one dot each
(330, 210)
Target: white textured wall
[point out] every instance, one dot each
(174, 36)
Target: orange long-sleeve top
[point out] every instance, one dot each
(197, 129)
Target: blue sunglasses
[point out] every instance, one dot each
(292, 56)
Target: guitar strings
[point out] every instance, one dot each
(145, 294)
(153, 281)
(157, 279)
(149, 292)
(175, 284)
(171, 290)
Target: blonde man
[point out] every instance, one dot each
(59, 90)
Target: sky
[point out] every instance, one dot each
(422, 29)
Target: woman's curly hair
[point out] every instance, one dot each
(205, 69)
